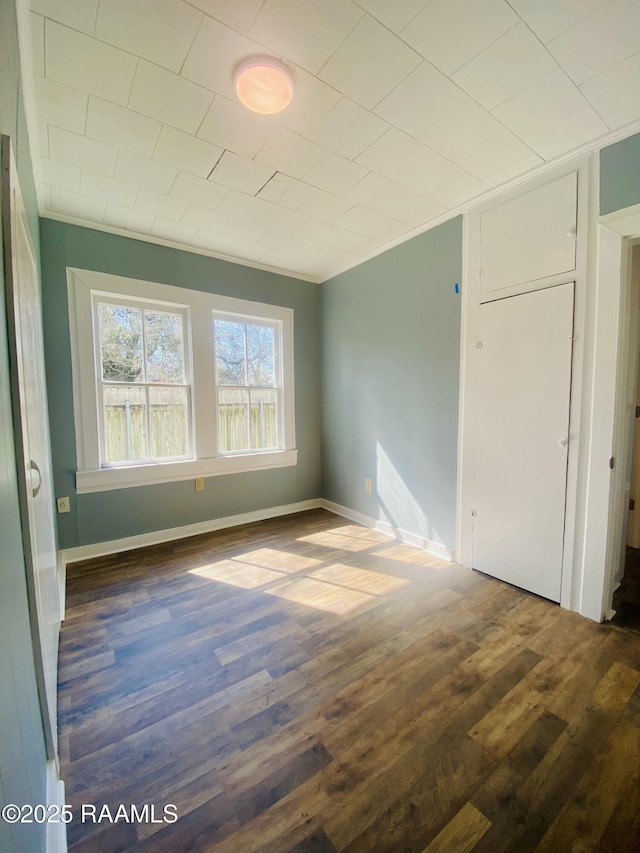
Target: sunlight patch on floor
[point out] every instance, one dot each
(281, 561)
(338, 541)
(321, 596)
(362, 580)
(237, 574)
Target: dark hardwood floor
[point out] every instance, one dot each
(306, 684)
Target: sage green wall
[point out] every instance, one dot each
(391, 344)
(103, 516)
(620, 175)
(22, 750)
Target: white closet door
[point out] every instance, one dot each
(530, 237)
(524, 379)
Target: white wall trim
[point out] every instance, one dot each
(157, 537)
(434, 548)
(56, 833)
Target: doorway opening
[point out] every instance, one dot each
(625, 606)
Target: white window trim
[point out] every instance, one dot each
(200, 306)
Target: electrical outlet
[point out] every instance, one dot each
(64, 505)
(368, 485)
(199, 484)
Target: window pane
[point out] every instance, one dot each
(264, 419)
(230, 362)
(163, 339)
(260, 345)
(233, 419)
(125, 423)
(121, 343)
(168, 415)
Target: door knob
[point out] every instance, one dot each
(34, 467)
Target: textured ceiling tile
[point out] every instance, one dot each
(465, 127)
(75, 204)
(108, 189)
(568, 133)
(159, 30)
(197, 190)
(61, 106)
(144, 172)
(412, 209)
(334, 173)
(286, 191)
(119, 126)
(373, 191)
(238, 173)
(82, 152)
(77, 14)
(305, 31)
(615, 92)
(371, 224)
(325, 206)
(369, 63)
(349, 129)
(461, 189)
(550, 18)
(451, 32)
(235, 128)
(498, 152)
(423, 98)
(186, 152)
(238, 16)
(78, 60)
(289, 153)
(37, 43)
(600, 41)
(204, 217)
(394, 15)
(168, 98)
(543, 103)
(404, 160)
(62, 175)
(511, 64)
(159, 204)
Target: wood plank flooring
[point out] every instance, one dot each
(305, 684)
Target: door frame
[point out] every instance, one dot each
(9, 184)
(621, 233)
(588, 176)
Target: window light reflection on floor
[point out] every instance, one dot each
(335, 588)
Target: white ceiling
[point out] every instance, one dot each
(403, 110)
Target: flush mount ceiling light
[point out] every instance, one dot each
(263, 84)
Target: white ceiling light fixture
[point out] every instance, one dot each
(263, 84)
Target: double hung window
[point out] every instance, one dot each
(171, 383)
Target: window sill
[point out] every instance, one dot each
(107, 479)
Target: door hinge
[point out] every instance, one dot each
(479, 345)
(473, 513)
(632, 504)
(638, 411)
(480, 272)
(612, 462)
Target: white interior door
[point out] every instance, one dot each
(524, 381)
(32, 437)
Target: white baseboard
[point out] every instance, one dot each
(434, 548)
(157, 537)
(56, 836)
